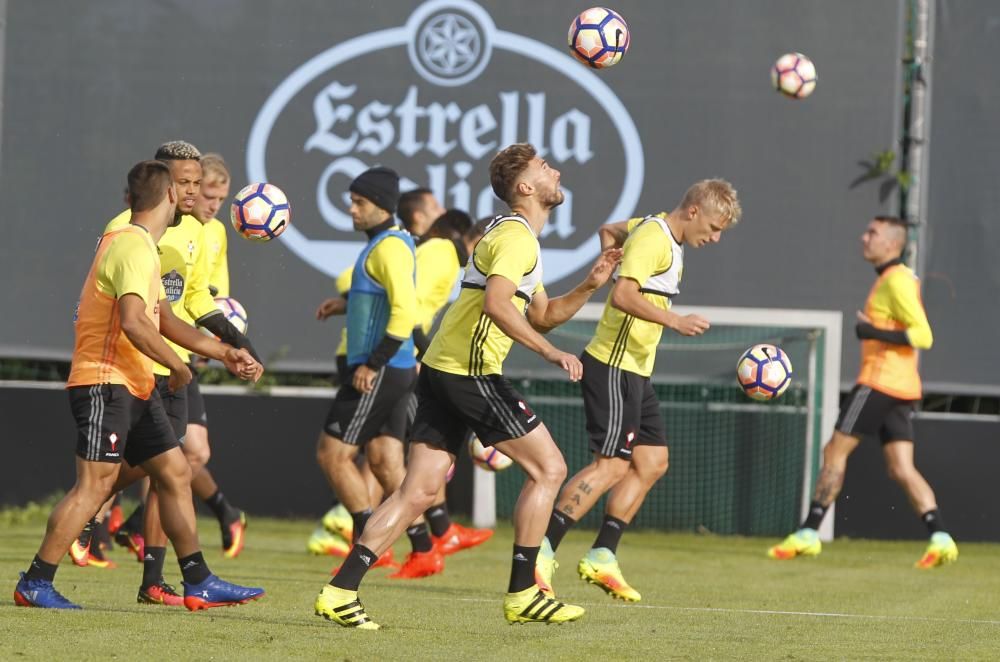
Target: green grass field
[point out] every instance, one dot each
(704, 597)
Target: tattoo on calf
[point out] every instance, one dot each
(828, 486)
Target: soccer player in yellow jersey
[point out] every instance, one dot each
(117, 404)
(334, 535)
(627, 434)
(441, 255)
(184, 272)
(214, 191)
(212, 195)
(461, 386)
(370, 410)
(418, 209)
(892, 328)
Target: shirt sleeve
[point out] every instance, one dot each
(391, 264)
(908, 308)
(120, 221)
(198, 300)
(218, 250)
(511, 252)
(633, 222)
(647, 251)
(129, 267)
(343, 281)
(437, 271)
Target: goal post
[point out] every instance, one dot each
(737, 466)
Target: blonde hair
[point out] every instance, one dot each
(717, 194)
(177, 150)
(214, 169)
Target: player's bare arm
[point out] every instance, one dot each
(498, 307)
(237, 361)
(546, 314)
(627, 298)
(613, 235)
(142, 333)
(330, 307)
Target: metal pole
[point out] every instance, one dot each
(916, 149)
(3, 49)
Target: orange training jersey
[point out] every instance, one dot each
(126, 263)
(894, 304)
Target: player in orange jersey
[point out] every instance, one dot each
(119, 412)
(892, 327)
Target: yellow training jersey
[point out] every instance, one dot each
(184, 272)
(438, 268)
(468, 343)
(126, 263)
(343, 285)
(655, 260)
(217, 247)
(894, 304)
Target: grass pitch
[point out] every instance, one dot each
(704, 597)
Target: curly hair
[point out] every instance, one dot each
(507, 166)
(177, 150)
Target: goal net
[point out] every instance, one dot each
(736, 466)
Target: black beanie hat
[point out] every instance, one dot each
(380, 185)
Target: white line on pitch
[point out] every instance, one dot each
(762, 612)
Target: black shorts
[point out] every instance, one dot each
(343, 370)
(176, 406)
(355, 418)
(196, 413)
(448, 405)
(869, 412)
(113, 425)
(621, 408)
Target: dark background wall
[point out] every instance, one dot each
(957, 457)
(962, 275)
(90, 88)
(264, 449)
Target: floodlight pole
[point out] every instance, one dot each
(915, 152)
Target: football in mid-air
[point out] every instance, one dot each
(764, 372)
(794, 75)
(234, 312)
(599, 37)
(487, 457)
(260, 212)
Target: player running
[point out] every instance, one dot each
(461, 386)
(627, 434)
(441, 255)
(892, 328)
(118, 406)
(369, 410)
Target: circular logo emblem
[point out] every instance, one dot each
(438, 124)
(450, 43)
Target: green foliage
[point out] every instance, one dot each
(880, 167)
(30, 513)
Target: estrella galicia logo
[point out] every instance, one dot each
(173, 284)
(464, 90)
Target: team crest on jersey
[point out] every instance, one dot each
(526, 409)
(471, 89)
(190, 248)
(173, 283)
